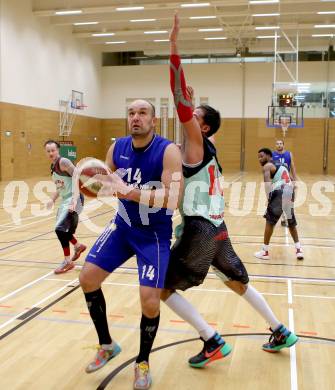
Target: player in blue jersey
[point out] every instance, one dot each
(202, 237)
(280, 156)
(279, 190)
(148, 194)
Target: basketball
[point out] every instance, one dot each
(88, 185)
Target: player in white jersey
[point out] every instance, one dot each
(279, 190)
(67, 215)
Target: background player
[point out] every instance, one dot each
(62, 170)
(279, 191)
(280, 156)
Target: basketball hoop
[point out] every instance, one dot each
(284, 117)
(81, 107)
(68, 110)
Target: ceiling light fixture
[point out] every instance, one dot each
(202, 17)
(156, 32)
(323, 35)
(267, 28)
(324, 26)
(210, 29)
(265, 15)
(194, 5)
(214, 38)
(69, 12)
(267, 36)
(110, 34)
(142, 20)
(263, 1)
(84, 23)
(129, 8)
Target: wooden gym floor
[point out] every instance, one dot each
(47, 337)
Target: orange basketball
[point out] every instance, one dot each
(88, 185)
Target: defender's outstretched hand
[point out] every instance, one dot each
(175, 29)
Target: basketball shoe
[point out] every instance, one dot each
(279, 339)
(104, 354)
(64, 267)
(78, 251)
(142, 379)
(215, 348)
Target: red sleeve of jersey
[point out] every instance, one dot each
(178, 88)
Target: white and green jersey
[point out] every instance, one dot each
(63, 182)
(280, 178)
(203, 196)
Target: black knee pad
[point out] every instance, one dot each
(63, 237)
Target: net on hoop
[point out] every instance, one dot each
(285, 124)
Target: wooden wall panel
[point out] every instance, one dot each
(331, 147)
(111, 128)
(92, 136)
(306, 144)
(86, 135)
(32, 127)
(257, 135)
(228, 144)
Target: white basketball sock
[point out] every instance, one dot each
(297, 245)
(188, 313)
(258, 302)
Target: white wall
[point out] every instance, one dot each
(222, 83)
(41, 63)
(152, 81)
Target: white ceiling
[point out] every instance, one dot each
(235, 17)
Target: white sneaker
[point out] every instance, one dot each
(300, 254)
(262, 254)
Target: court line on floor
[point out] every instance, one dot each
(261, 237)
(293, 356)
(51, 231)
(27, 224)
(39, 311)
(212, 275)
(191, 289)
(281, 244)
(264, 263)
(42, 218)
(257, 276)
(298, 264)
(235, 242)
(25, 286)
(161, 329)
(127, 363)
(12, 224)
(87, 207)
(204, 289)
(9, 241)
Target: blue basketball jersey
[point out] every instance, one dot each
(282, 159)
(142, 168)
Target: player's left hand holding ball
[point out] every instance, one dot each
(112, 185)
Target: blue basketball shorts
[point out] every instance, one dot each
(120, 242)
